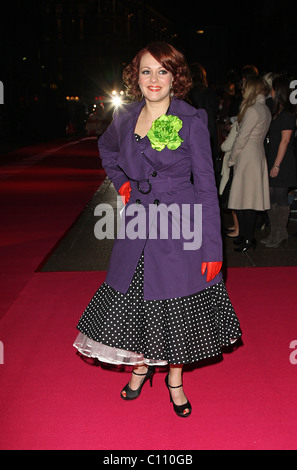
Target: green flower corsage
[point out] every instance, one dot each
(164, 132)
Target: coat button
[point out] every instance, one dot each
(157, 202)
(154, 174)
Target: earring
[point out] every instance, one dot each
(141, 91)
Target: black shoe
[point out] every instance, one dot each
(238, 240)
(245, 245)
(180, 410)
(132, 394)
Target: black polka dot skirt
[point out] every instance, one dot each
(126, 329)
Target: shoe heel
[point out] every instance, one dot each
(167, 385)
(170, 397)
(285, 243)
(151, 380)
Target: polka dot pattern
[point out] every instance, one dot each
(175, 331)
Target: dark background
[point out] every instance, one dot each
(53, 49)
(236, 33)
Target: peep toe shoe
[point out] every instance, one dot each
(128, 394)
(180, 410)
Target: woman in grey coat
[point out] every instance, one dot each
(250, 186)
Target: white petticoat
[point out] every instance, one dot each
(110, 355)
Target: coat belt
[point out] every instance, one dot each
(161, 185)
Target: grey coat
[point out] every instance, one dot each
(250, 185)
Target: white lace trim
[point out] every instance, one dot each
(91, 348)
(110, 355)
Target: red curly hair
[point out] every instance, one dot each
(171, 59)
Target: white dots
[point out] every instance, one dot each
(178, 331)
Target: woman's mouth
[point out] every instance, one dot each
(154, 88)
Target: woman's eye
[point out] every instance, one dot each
(161, 72)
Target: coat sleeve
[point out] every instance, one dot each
(109, 150)
(229, 141)
(205, 188)
(245, 129)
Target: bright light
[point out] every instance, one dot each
(117, 97)
(72, 98)
(116, 100)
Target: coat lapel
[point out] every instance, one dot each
(159, 159)
(130, 159)
(138, 159)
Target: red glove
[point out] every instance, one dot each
(125, 191)
(213, 269)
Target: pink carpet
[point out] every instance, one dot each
(50, 398)
(42, 191)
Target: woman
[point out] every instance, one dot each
(281, 161)
(250, 189)
(226, 177)
(202, 96)
(163, 301)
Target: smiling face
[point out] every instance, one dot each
(154, 80)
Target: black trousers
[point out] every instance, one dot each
(246, 221)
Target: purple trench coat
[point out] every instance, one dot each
(170, 269)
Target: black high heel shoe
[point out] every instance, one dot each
(132, 394)
(180, 410)
(245, 245)
(238, 241)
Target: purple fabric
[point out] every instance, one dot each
(169, 270)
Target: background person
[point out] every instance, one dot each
(281, 160)
(250, 188)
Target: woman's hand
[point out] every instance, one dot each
(213, 269)
(282, 148)
(230, 162)
(274, 172)
(125, 191)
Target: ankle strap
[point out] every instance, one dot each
(135, 373)
(175, 387)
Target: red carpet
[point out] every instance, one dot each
(50, 398)
(42, 192)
